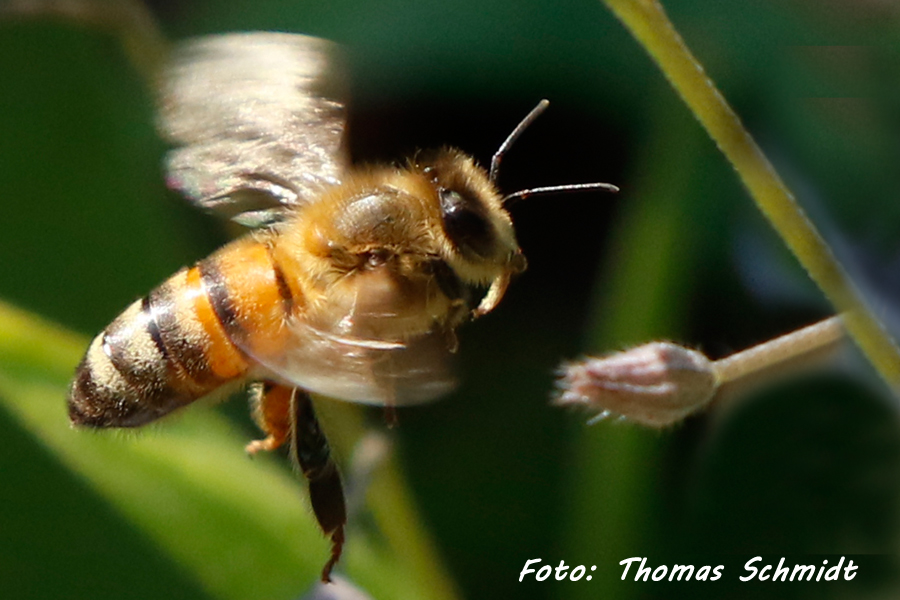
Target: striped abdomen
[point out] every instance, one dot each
(185, 339)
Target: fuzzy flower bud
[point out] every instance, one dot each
(656, 384)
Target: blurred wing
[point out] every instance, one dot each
(365, 371)
(257, 122)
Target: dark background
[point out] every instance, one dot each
(806, 469)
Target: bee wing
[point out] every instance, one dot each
(362, 370)
(257, 122)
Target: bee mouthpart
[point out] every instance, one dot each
(518, 263)
(493, 296)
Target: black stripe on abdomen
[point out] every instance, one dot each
(138, 355)
(216, 288)
(180, 337)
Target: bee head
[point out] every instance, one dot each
(479, 241)
(480, 244)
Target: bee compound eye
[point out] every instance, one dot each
(466, 224)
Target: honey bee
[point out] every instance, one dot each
(351, 284)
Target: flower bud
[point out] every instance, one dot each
(656, 385)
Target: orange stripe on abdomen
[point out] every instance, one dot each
(222, 356)
(248, 296)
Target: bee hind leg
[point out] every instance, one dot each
(311, 453)
(271, 409)
(285, 413)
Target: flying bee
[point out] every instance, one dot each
(351, 284)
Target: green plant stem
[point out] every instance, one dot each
(649, 24)
(644, 293)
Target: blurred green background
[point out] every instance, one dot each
(808, 469)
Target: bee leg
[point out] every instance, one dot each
(271, 409)
(309, 449)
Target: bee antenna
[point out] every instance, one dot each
(554, 189)
(514, 135)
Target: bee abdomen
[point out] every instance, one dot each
(183, 341)
(145, 364)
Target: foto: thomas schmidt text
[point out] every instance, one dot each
(755, 569)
